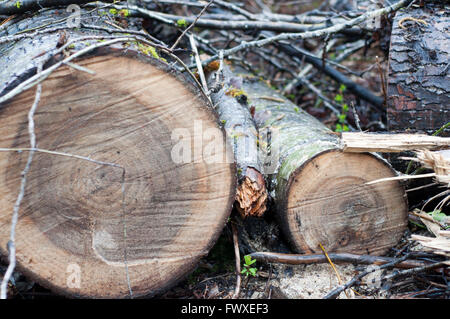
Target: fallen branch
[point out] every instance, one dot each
(10, 7)
(311, 34)
(230, 103)
(337, 291)
(297, 259)
(318, 63)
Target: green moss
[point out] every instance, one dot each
(235, 92)
(124, 13)
(182, 23)
(150, 51)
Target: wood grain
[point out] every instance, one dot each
(75, 212)
(319, 191)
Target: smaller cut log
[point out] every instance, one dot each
(230, 103)
(320, 192)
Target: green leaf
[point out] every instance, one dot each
(342, 88)
(339, 98)
(253, 271)
(438, 215)
(248, 260)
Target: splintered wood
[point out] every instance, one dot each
(391, 143)
(251, 195)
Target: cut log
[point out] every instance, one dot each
(319, 191)
(230, 104)
(419, 72)
(92, 230)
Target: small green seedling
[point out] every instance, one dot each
(342, 126)
(438, 216)
(248, 269)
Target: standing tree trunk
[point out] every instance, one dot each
(94, 230)
(320, 193)
(419, 70)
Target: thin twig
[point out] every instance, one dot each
(40, 150)
(336, 291)
(334, 268)
(15, 215)
(190, 26)
(238, 261)
(199, 64)
(311, 34)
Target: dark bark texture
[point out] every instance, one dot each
(419, 73)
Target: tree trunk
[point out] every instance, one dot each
(95, 230)
(320, 192)
(419, 81)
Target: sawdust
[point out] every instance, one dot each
(311, 281)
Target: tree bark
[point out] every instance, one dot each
(419, 81)
(319, 191)
(230, 104)
(129, 229)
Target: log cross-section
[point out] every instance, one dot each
(104, 231)
(320, 192)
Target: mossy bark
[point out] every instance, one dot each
(319, 192)
(230, 103)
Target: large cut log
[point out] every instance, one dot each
(95, 230)
(320, 192)
(419, 72)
